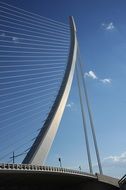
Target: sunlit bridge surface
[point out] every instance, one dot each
(39, 57)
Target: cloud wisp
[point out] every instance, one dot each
(117, 160)
(92, 75)
(106, 81)
(113, 165)
(108, 26)
(70, 105)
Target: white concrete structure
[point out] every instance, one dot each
(44, 140)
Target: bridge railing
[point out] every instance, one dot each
(122, 182)
(30, 167)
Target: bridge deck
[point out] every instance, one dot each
(22, 176)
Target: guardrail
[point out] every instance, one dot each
(122, 182)
(30, 167)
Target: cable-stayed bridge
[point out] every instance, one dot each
(39, 57)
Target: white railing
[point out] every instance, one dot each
(30, 167)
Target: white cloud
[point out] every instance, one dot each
(106, 81)
(116, 159)
(70, 105)
(108, 26)
(91, 74)
(113, 165)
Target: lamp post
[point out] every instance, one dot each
(60, 162)
(80, 168)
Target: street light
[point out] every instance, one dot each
(60, 162)
(80, 168)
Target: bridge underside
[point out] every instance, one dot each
(47, 180)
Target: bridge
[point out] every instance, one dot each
(46, 177)
(38, 58)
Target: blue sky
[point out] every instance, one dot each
(101, 32)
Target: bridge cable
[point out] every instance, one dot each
(32, 26)
(4, 35)
(84, 119)
(34, 52)
(90, 114)
(30, 79)
(34, 16)
(27, 21)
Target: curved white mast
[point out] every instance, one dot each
(40, 148)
